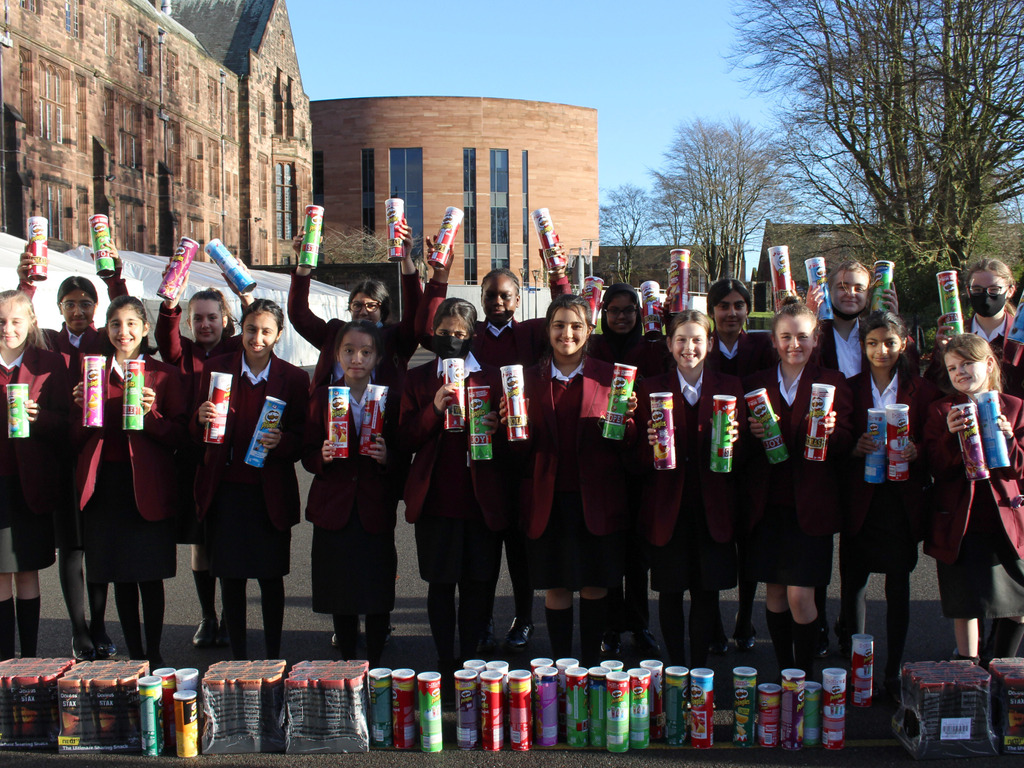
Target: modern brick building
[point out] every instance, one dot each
(497, 159)
(184, 118)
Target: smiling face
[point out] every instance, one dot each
(207, 322)
(621, 313)
(78, 310)
(357, 357)
(260, 333)
(689, 346)
(793, 339)
(568, 331)
(15, 324)
(969, 376)
(730, 313)
(849, 291)
(883, 347)
(500, 299)
(363, 307)
(126, 329)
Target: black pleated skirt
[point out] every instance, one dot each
(885, 543)
(353, 572)
(26, 539)
(242, 542)
(779, 552)
(692, 559)
(985, 582)
(450, 550)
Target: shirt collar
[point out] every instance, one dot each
(789, 395)
(76, 341)
(472, 365)
(13, 365)
(888, 395)
(497, 330)
(997, 332)
(685, 387)
(253, 377)
(729, 352)
(557, 374)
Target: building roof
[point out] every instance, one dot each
(228, 29)
(169, 23)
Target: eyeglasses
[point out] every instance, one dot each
(616, 312)
(71, 306)
(991, 290)
(369, 306)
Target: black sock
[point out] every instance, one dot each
(519, 575)
(472, 614)
(703, 609)
(126, 598)
(593, 620)
(152, 593)
(28, 625)
(376, 630)
(441, 615)
(745, 609)
(346, 631)
(7, 629)
(616, 610)
(897, 621)
(717, 627)
(272, 603)
(673, 626)
(805, 638)
(1008, 635)
(72, 585)
(206, 591)
(97, 611)
(559, 621)
(780, 629)
(233, 595)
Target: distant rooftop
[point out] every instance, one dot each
(228, 29)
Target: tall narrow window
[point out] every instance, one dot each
(129, 144)
(406, 166)
(30, 5)
(174, 148)
(229, 116)
(82, 111)
(469, 209)
(279, 103)
(25, 77)
(499, 209)
(261, 118)
(526, 216)
(213, 160)
(54, 201)
(289, 111)
(264, 186)
(194, 83)
(172, 72)
(369, 217)
(284, 200)
(72, 14)
(112, 38)
(144, 54)
(52, 105)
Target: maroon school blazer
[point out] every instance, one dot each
(755, 353)
(185, 354)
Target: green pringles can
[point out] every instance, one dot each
(614, 425)
(17, 413)
(949, 301)
(597, 689)
(677, 700)
(134, 380)
(760, 408)
(812, 714)
(429, 684)
(151, 715)
(379, 716)
(479, 402)
(616, 721)
(639, 708)
(722, 414)
(883, 282)
(577, 711)
(103, 251)
(744, 704)
(310, 249)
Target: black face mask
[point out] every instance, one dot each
(447, 347)
(843, 315)
(988, 306)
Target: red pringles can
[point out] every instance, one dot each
(492, 693)
(442, 255)
(338, 402)
(94, 379)
(702, 708)
(394, 212)
(593, 288)
(769, 714)
(220, 396)
(373, 417)
(833, 708)
(403, 708)
(520, 703)
(177, 270)
(548, 239)
(816, 444)
(678, 280)
(897, 437)
(38, 231)
(862, 668)
(515, 402)
(782, 274)
(650, 306)
(455, 413)
(664, 425)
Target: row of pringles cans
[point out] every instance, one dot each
(607, 707)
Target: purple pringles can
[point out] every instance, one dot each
(971, 445)
(664, 425)
(545, 715)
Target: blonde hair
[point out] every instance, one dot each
(975, 349)
(35, 337)
(997, 268)
(850, 265)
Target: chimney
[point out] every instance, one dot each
(166, 7)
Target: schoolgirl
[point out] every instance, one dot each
(795, 511)
(688, 514)
(249, 511)
(126, 480)
(975, 529)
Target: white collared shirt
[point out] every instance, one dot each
(848, 351)
(76, 341)
(357, 407)
(472, 365)
(728, 353)
(559, 376)
(14, 364)
(497, 330)
(789, 395)
(255, 378)
(888, 396)
(997, 332)
(691, 393)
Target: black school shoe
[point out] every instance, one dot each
(206, 634)
(645, 645)
(518, 636)
(487, 642)
(611, 645)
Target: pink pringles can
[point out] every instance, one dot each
(862, 668)
(782, 274)
(515, 402)
(394, 211)
(94, 379)
(442, 255)
(373, 417)
(816, 444)
(897, 437)
(220, 396)
(38, 231)
(548, 239)
(650, 306)
(593, 288)
(664, 426)
(971, 444)
(338, 401)
(177, 270)
(679, 280)
(455, 413)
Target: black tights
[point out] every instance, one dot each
(471, 617)
(518, 573)
(897, 611)
(272, 604)
(703, 604)
(346, 628)
(126, 596)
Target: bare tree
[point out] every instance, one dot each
(353, 245)
(626, 222)
(904, 117)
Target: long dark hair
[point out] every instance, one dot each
(135, 304)
(77, 283)
(621, 342)
(890, 322)
(212, 294)
(264, 305)
(459, 308)
(571, 302)
(375, 290)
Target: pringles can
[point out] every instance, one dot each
(664, 424)
(103, 252)
(862, 668)
(769, 710)
(639, 708)
(897, 437)
(817, 275)
(220, 396)
(17, 413)
(186, 723)
(650, 306)
(876, 464)
(515, 402)
(677, 704)
(833, 708)
(403, 708)
(394, 212)
(373, 417)
(597, 691)
(548, 239)
(309, 251)
(744, 705)
(992, 438)
(234, 271)
(782, 275)
(563, 665)
(791, 732)
(577, 714)
(593, 288)
(722, 414)
(492, 696)
(429, 687)
(614, 425)
(760, 407)
(702, 708)
(270, 418)
(467, 696)
(134, 380)
(816, 444)
(884, 271)
(545, 706)
(442, 255)
(38, 231)
(617, 717)
(812, 714)
(151, 715)
(338, 401)
(177, 270)
(479, 399)
(657, 670)
(94, 379)
(678, 280)
(970, 444)
(455, 413)
(519, 706)
(949, 301)
(379, 716)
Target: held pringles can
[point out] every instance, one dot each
(455, 413)
(479, 399)
(897, 437)
(17, 413)
(862, 668)
(548, 239)
(760, 407)
(639, 708)
(394, 212)
(515, 402)
(103, 252)
(744, 705)
(134, 380)
(442, 255)
(817, 275)
(38, 231)
(722, 415)
(545, 715)
(577, 715)
(650, 306)
(186, 723)
(876, 464)
(177, 270)
(1013, 345)
(597, 691)
(791, 730)
(614, 425)
(94, 379)
(971, 445)
(769, 710)
(833, 708)
(373, 417)
(992, 438)
(679, 280)
(812, 714)
(380, 707)
(782, 275)
(492, 694)
(310, 249)
(677, 703)
(884, 271)
(467, 698)
(664, 424)
(234, 271)
(702, 708)
(151, 715)
(616, 721)
(403, 708)
(816, 444)
(519, 706)
(220, 396)
(270, 418)
(949, 301)
(338, 400)
(429, 689)
(657, 670)
(593, 288)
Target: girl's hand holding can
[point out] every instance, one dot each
(378, 451)
(24, 266)
(956, 420)
(271, 439)
(756, 428)
(891, 302)
(31, 410)
(734, 430)
(631, 403)
(866, 444)
(1002, 422)
(829, 422)
(327, 452)
(78, 395)
(444, 397)
(910, 452)
(652, 433)
(815, 295)
(490, 422)
(207, 412)
(148, 399)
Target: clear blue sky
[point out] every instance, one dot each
(645, 66)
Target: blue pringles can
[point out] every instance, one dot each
(817, 275)
(234, 271)
(875, 463)
(993, 441)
